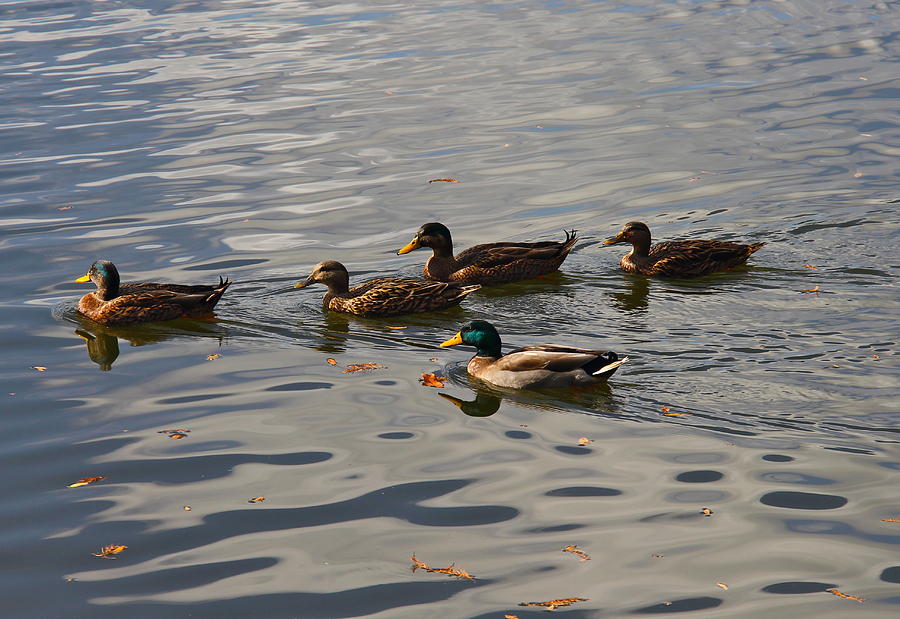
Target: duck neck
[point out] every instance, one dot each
(338, 286)
(489, 348)
(108, 289)
(440, 268)
(640, 246)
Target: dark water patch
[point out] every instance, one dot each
(583, 491)
(573, 451)
(680, 606)
(225, 264)
(518, 434)
(699, 477)
(304, 386)
(190, 399)
(802, 500)
(891, 574)
(558, 528)
(795, 587)
(851, 450)
(776, 458)
(396, 435)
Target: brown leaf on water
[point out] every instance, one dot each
(434, 359)
(397, 328)
(858, 174)
(257, 499)
(876, 357)
(443, 180)
(809, 266)
(84, 481)
(107, 551)
(584, 441)
(431, 380)
(450, 570)
(176, 433)
(656, 555)
(693, 179)
(212, 357)
(890, 520)
(510, 617)
(331, 361)
(357, 367)
(187, 508)
(579, 553)
(816, 290)
(665, 409)
(706, 511)
(676, 414)
(845, 595)
(554, 604)
(39, 368)
(722, 585)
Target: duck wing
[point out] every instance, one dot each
(698, 257)
(554, 359)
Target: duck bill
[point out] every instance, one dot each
(616, 239)
(413, 244)
(83, 279)
(453, 341)
(309, 280)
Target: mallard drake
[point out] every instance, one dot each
(388, 296)
(678, 258)
(114, 304)
(488, 264)
(546, 365)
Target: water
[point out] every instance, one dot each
(253, 139)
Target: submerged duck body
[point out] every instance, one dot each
(546, 365)
(122, 304)
(490, 263)
(385, 296)
(690, 258)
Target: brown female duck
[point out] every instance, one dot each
(488, 264)
(547, 365)
(115, 304)
(678, 258)
(383, 297)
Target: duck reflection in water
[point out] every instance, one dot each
(634, 297)
(103, 341)
(485, 404)
(597, 398)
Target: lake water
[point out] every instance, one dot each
(252, 139)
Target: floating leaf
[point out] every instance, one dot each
(579, 553)
(450, 570)
(186, 508)
(39, 368)
(64, 208)
(331, 361)
(816, 290)
(890, 520)
(212, 357)
(434, 359)
(584, 441)
(706, 511)
(656, 555)
(554, 604)
(443, 180)
(858, 174)
(809, 266)
(676, 414)
(107, 551)
(356, 367)
(176, 433)
(430, 380)
(84, 481)
(722, 585)
(845, 595)
(665, 409)
(397, 328)
(510, 617)
(257, 499)
(693, 179)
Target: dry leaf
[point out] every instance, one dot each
(656, 555)
(356, 367)
(434, 359)
(816, 290)
(584, 441)
(809, 266)
(431, 380)
(64, 208)
(693, 179)
(443, 180)
(212, 357)
(186, 508)
(579, 553)
(398, 328)
(107, 551)
(845, 595)
(177, 435)
(554, 604)
(876, 357)
(676, 414)
(722, 585)
(857, 175)
(39, 368)
(331, 361)
(450, 570)
(510, 617)
(706, 511)
(257, 499)
(890, 520)
(665, 409)
(84, 481)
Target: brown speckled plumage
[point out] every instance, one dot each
(385, 296)
(490, 263)
(115, 304)
(689, 258)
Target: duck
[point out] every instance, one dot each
(490, 263)
(690, 258)
(125, 304)
(546, 365)
(387, 296)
